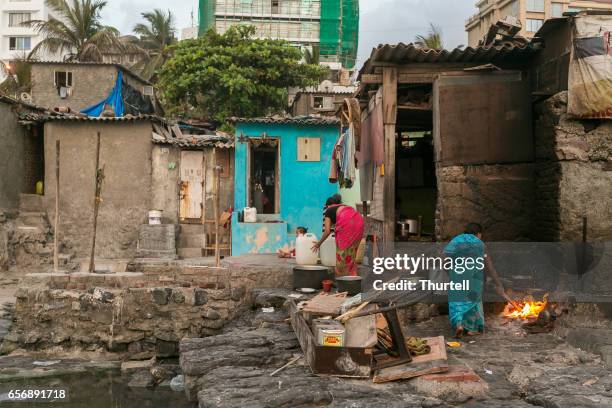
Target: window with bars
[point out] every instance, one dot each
(19, 43)
(535, 6)
(557, 10)
(533, 25)
(16, 19)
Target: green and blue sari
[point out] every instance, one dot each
(465, 306)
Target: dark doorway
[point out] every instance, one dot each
(416, 183)
(263, 183)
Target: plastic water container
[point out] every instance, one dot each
(303, 250)
(328, 251)
(250, 214)
(155, 217)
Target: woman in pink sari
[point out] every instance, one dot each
(349, 225)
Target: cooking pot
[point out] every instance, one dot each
(310, 276)
(350, 284)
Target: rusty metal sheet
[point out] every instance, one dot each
(482, 119)
(191, 184)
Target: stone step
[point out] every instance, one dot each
(192, 241)
(31, 202)
(186, 253)
(192, 229)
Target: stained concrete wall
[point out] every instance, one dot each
(12, 145)
(91, 84)
(125, 154)
(500, 197)
(573, 174)
(165, 181)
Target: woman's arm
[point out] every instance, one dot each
(492, 272)
(326, 234)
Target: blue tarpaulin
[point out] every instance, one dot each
(114, 100)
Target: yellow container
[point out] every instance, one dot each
(39, 188)
(331, 338)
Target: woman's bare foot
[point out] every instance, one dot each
(459, 332)
(472, 334)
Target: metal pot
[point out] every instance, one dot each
(350, 284)
(309, 276)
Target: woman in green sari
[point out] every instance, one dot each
(465, 306)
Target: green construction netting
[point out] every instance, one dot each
(206, 15)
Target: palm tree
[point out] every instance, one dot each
(155, 36)
(432, 40)
(75, 27)
(17, 75)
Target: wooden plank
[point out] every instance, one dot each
(325, 304)
(410, 370)
(437, 344)
(191, 181)
(57, 201)
(371, 79)
(389, 119)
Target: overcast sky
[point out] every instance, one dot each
(382, 21)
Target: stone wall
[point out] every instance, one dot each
(125, 154)
(141, 322)
(500, 197)
(573, 174)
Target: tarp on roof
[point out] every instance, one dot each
(114, 100)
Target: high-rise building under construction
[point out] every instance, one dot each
(331, 26)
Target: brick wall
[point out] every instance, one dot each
(91, 84)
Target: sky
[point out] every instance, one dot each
(381, 21)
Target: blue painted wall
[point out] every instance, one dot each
(304, 186)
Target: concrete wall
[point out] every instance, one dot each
(91, 84)
(12, 137)
(165, 181)
(125, 153)
(573, 176)
(304, 186)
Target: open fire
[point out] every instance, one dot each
(528, 309)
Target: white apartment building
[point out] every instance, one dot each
(17, 41)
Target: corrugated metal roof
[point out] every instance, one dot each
(82, 118)
(188, 141)
(114, 64)
(408, 53)
(297, 120)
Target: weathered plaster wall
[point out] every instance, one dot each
(12, 155)
(573, 175)
(500, 197)
(125, 154)
(304, 186)
(165, 181)
(91, 84)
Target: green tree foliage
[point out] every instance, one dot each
(75, 27)
(232, 74)
(432, 40)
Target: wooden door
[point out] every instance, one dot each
(482, 118)
(192, 176)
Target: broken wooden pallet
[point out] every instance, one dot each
(431, 363)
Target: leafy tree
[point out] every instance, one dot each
(432, 40)
(18, 77)
(154, 39)
(76, 29)
(232, 74)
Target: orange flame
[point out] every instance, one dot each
(528, 309)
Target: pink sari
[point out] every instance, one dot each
(349, 227)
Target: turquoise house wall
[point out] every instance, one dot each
(304, 187)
